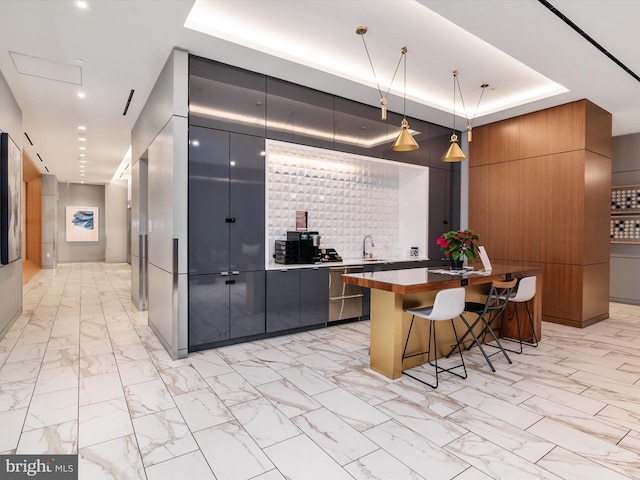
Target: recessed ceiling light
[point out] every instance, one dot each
(82, 139)
(82, 155)
(82, 128)
(81, 95)
(81, 4)
(82, 174)
(82, 148)
(81, 181)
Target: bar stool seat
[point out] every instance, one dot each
(447, 305)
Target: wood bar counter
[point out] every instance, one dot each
(394, 291)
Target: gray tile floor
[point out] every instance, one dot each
(81, 372)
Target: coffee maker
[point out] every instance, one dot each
(299, 247)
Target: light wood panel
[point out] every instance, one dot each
(32, 236)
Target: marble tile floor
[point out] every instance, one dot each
(81, 372)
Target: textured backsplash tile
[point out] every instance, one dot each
(347, 197)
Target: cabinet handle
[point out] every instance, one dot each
(345, 297)
(230, 282)
(230, 220)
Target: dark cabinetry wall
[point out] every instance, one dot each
(231, 113)
(226, 236)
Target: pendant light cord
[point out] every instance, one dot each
(374, 71)
(404, 101)
(464, 108)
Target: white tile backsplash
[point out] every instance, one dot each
(347, 196)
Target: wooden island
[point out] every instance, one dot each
(394, 291)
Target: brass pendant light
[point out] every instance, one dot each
(405, 142)
(454, 153)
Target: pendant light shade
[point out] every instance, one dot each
(454, 153)
(405, 142)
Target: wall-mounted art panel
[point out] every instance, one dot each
(625, 229)
(82, 224)
(625, 200)
(10, 200)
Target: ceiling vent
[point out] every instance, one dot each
(47, 69)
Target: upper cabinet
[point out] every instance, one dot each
(226, 201)
(226, 98)
(298, 114)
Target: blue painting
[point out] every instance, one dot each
(82, 224)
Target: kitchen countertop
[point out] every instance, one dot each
(346, 262)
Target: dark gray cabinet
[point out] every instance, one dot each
(225, 306)
(297, 298)
(226, 236)
(314, 296)
(299, 114)
(226, 98)
(283, 300)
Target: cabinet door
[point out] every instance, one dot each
(208, 201)
(247, 304)
(247, 205)
(283, 300)
(208, 310)
(314, 296)
(299, 114)
(226, 97)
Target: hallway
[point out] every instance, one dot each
(81, 372)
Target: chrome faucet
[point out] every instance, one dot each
(364, 245)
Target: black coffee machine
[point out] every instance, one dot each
(299, 247)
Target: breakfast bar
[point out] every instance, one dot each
(394, 291)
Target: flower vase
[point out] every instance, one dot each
(456, 264)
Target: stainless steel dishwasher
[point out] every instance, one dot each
(345, 301)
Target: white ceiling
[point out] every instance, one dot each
(123, 45)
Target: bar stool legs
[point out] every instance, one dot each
(447, 305)
(526, 291)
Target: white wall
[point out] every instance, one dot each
(161, 130)
(79, 195)
(115, 199)
(11, 274)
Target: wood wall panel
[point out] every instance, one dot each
(501, 142)
(33, 235)
(548, 206)
(540, 131)
(595, 292)
(598, 126)
(597, 208)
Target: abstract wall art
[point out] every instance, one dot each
(82, 224)
(10, 200)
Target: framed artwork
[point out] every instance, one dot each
(10, 200)
(82, 224)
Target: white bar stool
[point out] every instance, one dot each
(447, 305)
(526, 291)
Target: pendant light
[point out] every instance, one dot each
(405, 142)
(454, 153)
(362, 30)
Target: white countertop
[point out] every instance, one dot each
(346, 262)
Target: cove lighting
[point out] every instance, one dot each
(285, 31)
(284, 127)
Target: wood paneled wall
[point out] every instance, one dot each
(32, 247)
(539, 194)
